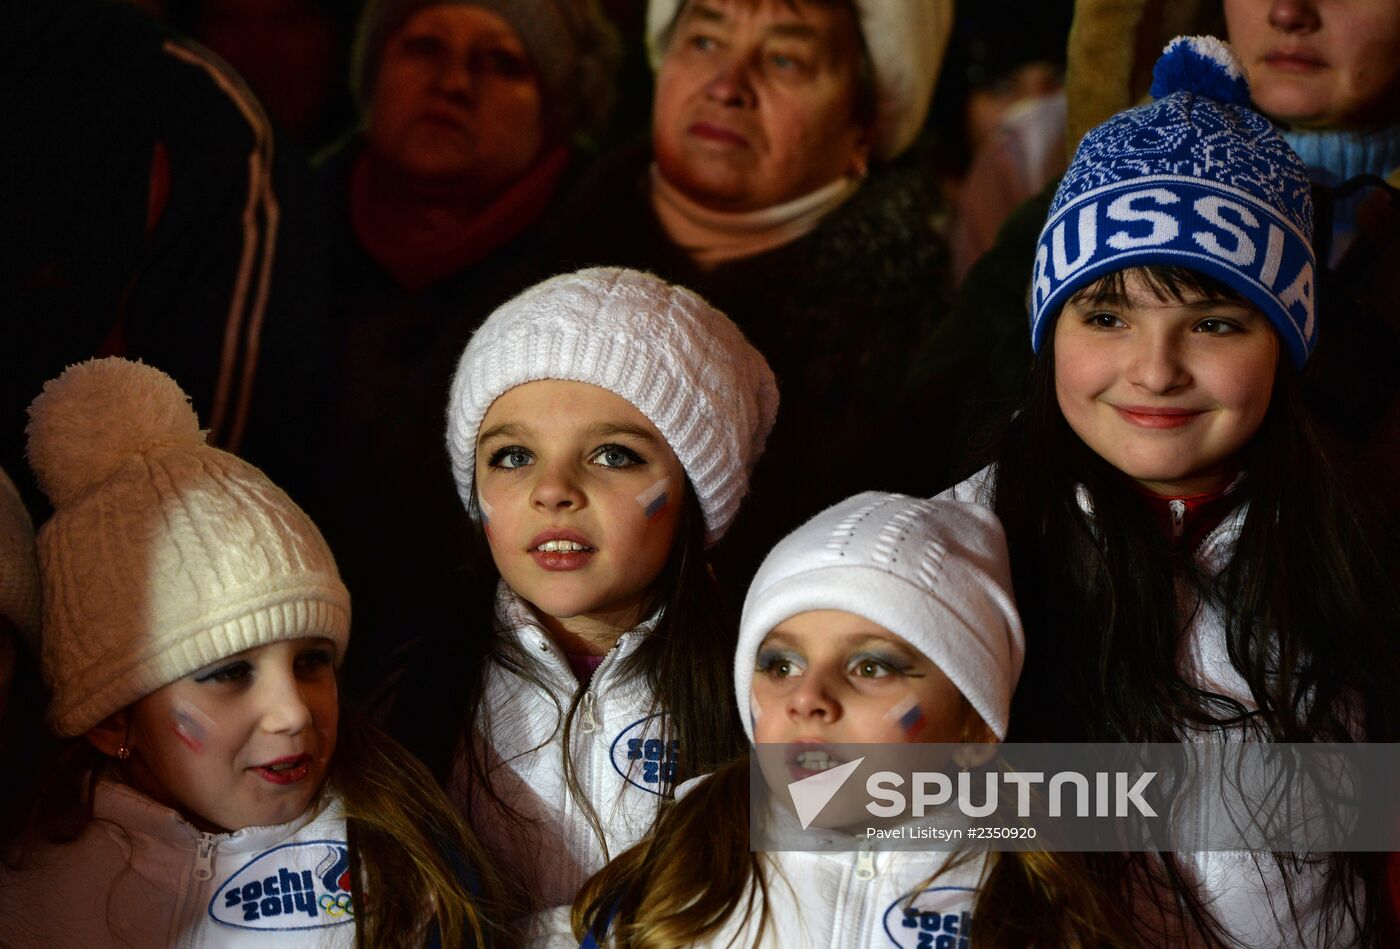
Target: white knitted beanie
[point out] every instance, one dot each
(682, 363)
(19, 572)
(906, 40)
(935, 573)
(163, 554)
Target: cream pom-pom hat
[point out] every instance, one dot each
(163, 554)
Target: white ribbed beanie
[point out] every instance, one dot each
(163, 554)
(19, 572)
(906, 40)
(682, 363)
(935, 573)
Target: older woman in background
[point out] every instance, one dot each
(475, 116)
(771, 184)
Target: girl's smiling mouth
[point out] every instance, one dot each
(284, 770)
(561, 550)
(1146, 416)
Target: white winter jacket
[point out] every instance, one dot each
(621, 760)
(142, 876)
(1246, 892)
(839, 900)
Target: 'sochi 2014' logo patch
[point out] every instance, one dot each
(294, 886)
(938, 918)
(646, 761)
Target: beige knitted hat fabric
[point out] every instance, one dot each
(163, 554)
(681, 362)
(19, 573)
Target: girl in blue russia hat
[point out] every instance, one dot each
(1187, 560)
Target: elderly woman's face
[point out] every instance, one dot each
(456, 99)
(756, 101)
(1320, 63)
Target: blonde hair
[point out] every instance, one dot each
(683, 883)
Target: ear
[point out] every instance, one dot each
(859, 165)
(110, 734)
(980, 740)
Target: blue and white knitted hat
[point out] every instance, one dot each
(1195, 179)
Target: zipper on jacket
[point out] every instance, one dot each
(587, 723)
(865, 863)
(204, 857)
(1178, 509)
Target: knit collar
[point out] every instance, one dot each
(420, 246)
(1333, 157)
(711, 238)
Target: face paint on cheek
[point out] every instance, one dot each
(754, 711)
(655, 499)
(191, 725)
(486, 512)
(908, 714)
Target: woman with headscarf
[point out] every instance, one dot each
(772, 183)
(474, 117)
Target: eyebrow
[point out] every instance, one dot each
(846, 640)
(596, 430)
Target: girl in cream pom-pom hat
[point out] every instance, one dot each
(193, 623)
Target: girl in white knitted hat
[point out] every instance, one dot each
(602, 427)
(211, 793)
(884, 619)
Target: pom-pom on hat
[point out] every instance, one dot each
(681, 362)
(905, 39)
(19, 572)
(1195, 179)
(934, 572)
(163, 554)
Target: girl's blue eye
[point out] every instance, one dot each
(233, 672)
(702, 43)
(617, 456)
(512, 456)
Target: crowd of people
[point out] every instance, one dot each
(875, 383)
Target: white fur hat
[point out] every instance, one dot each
(163, 554)
(682, 363)
(19, 572)
(906, 40)
(935, 573)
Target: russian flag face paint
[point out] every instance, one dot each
(486, 512)
(655, 499)
(191, 725)
(908, 714)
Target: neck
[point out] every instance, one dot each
(711, 237)
(392, 194)
(590, 634)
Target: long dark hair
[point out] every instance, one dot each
(685, 660)
(1309, 612)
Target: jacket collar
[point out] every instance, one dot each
(515, 618)
(127, 807)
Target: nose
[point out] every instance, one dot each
(1294, 16)
(285, 710)
(730, 86)
(813, 701)
(1156, 365)
(557, 489)
(456, 77)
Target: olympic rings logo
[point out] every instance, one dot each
(338, 905)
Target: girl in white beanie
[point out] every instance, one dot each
(601, 426)
(210, 791)
(884, 619)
